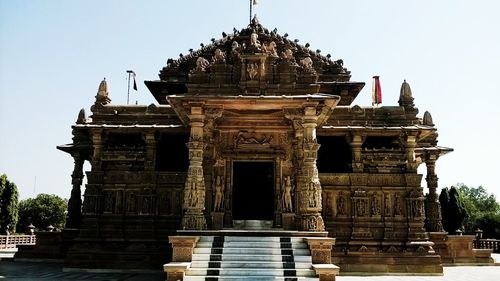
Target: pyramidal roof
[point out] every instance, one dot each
(238, 60)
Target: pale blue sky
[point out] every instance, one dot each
(53, 54)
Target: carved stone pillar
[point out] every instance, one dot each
(433, 222)
(194, 190)
(150, 163)
(411, 143)
(74, 216)
(356, 142)
(97, 144)
(308, 184)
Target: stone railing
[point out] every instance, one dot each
(493, 244)
(11, 241)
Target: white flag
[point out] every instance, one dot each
(255, 2)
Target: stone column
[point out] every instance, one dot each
(356, 142)
(433, 222)
(97, 144)
(150, 151)
(308, 184)
(194, 190)
(74, 216)
(411, 143)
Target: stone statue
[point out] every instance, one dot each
(287, 55)
(270, 48)
(311, 194)
(219, 194)
(219, 56)
(341, 205)
(375, 209)
(253, 71)
(287, 195)
(360, 207)
(235, 49)
(387, 205)
(397, 205)
(201, 64)
(254, 42)
(193, 196)
(307, 64)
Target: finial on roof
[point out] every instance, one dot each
(82, 117)
(405, 95)
(427, 120)
(102, 96)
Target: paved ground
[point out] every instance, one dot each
(46, 271)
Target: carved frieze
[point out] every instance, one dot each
(334, 179)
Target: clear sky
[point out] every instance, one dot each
(54, 53)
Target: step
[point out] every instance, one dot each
(250, 244)
(250, 272)
(248, 264)
(252, 239)
(252, 251)
(243, 257)
(249, 278)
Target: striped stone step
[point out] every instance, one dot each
(251, 239)
(253, 251)
(249, 264)
(249, 278)
(249, 244)
(250, 272)
(243, 257)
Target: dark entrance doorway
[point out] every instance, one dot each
(253, 190)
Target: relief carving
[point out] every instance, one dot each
(375, 205)
(251, 138)
(201, 64)
(218, 194)
(287, 195)
(341, 204)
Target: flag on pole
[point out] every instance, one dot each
(135, 84)
(376, 91)
(255, 2)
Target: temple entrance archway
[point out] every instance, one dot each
(253, 190)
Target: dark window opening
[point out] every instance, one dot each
(373, 142)
(117, 141)
(334, 155)
(172, 153)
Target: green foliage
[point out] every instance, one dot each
(444, 200)
(9, 201)
(42, 211)
(483, 209)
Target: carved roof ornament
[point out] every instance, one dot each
(254, 39)
(405, 95)
(82, 117)
(427, 120)
(102, 97)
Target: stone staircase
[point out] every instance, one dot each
(250, 258)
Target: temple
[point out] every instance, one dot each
(255, 127)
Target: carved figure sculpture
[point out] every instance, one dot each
(201, 64)
(311, 194)
(193, 196)
(341, 205)
(287, 195)
(219, 56)
(270, 48)
(287, 55)
(254, 42)
(219, 194)
(375, 209)
(397, 205)
(387, 205)
(253, 71)
(307, 64)
(235, 48)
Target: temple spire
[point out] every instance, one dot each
(252, 2)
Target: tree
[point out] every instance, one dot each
(444, 200)
(452, 209)
(483, 210)
(42, 211)
(9, 200)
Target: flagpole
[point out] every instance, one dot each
(128, 88)
(251, 6)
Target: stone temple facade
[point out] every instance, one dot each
(255, 127)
